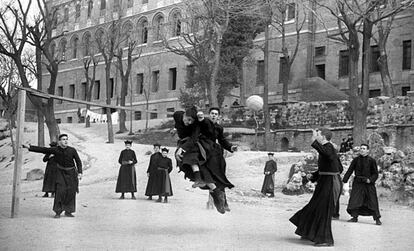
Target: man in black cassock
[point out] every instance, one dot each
(127, 178)
(313, 221)
(164, 167)
(269, 172)
(68, 174)
(363, 199)
(191, 156)
(212, 139)
(154, 177)
(49, 180)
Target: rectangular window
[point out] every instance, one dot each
(71, 91)
(66, 15)
(58, 121)
(343, 63)
(83, 91)
(375, 54)
(97, 89)
(170, 112)
(320, 51)
(116, 5)
(155, 81)
(290, 11)
(172, 81)
(153, 115)
(112, 90)
(60, 93)
(283, 71)
(404, 90)
(407, 53)
(140, 83)
(374, 93)
(69, 120)
(137, 115)
(103, 4)
(260, 72)
(130, 3)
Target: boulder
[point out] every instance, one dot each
(35, 174)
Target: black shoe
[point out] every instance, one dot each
(56, 216)
(218, 198)
(133, 197)
(122, 197)
(69, 215)
(149, 198)
(165, 200)
(323, 244)
(353, 219)
(159, 200)
(271, 196)
(45, 195)
(198, 183)
(378, 222)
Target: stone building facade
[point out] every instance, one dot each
(163, 73)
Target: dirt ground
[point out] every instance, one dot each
(103, 222)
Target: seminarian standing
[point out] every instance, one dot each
(154, 176)
(127, 178)
(67, 174)
(314, 221)
(363, 199)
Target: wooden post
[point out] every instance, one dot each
(18, 158)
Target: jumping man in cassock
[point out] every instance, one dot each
(363, 199)
(68, 174)
(213, 140)
(127, 178)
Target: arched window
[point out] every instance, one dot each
(126, 33)
(86, 41)
(159, 21)
(62, 49)
(176, 24)
(75, 44)
(52, 48)
(90, 7)
(143, 32)
(99, 38)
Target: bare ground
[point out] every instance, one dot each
(103, 222)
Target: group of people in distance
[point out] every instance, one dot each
(199, 156)
(159, 167)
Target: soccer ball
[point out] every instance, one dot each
(254, 103)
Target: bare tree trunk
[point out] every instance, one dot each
(108, 102)
(51, 122)
(242, 87)
(266, 138)
(213, 91)
(385, 75)
(40, 118)
(122, 113)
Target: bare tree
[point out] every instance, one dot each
(42, 37)
(107, 44)
(8, 79)
(149, 83)
(89, 63)
(202, 47)
(354, 17)
(129, 39)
